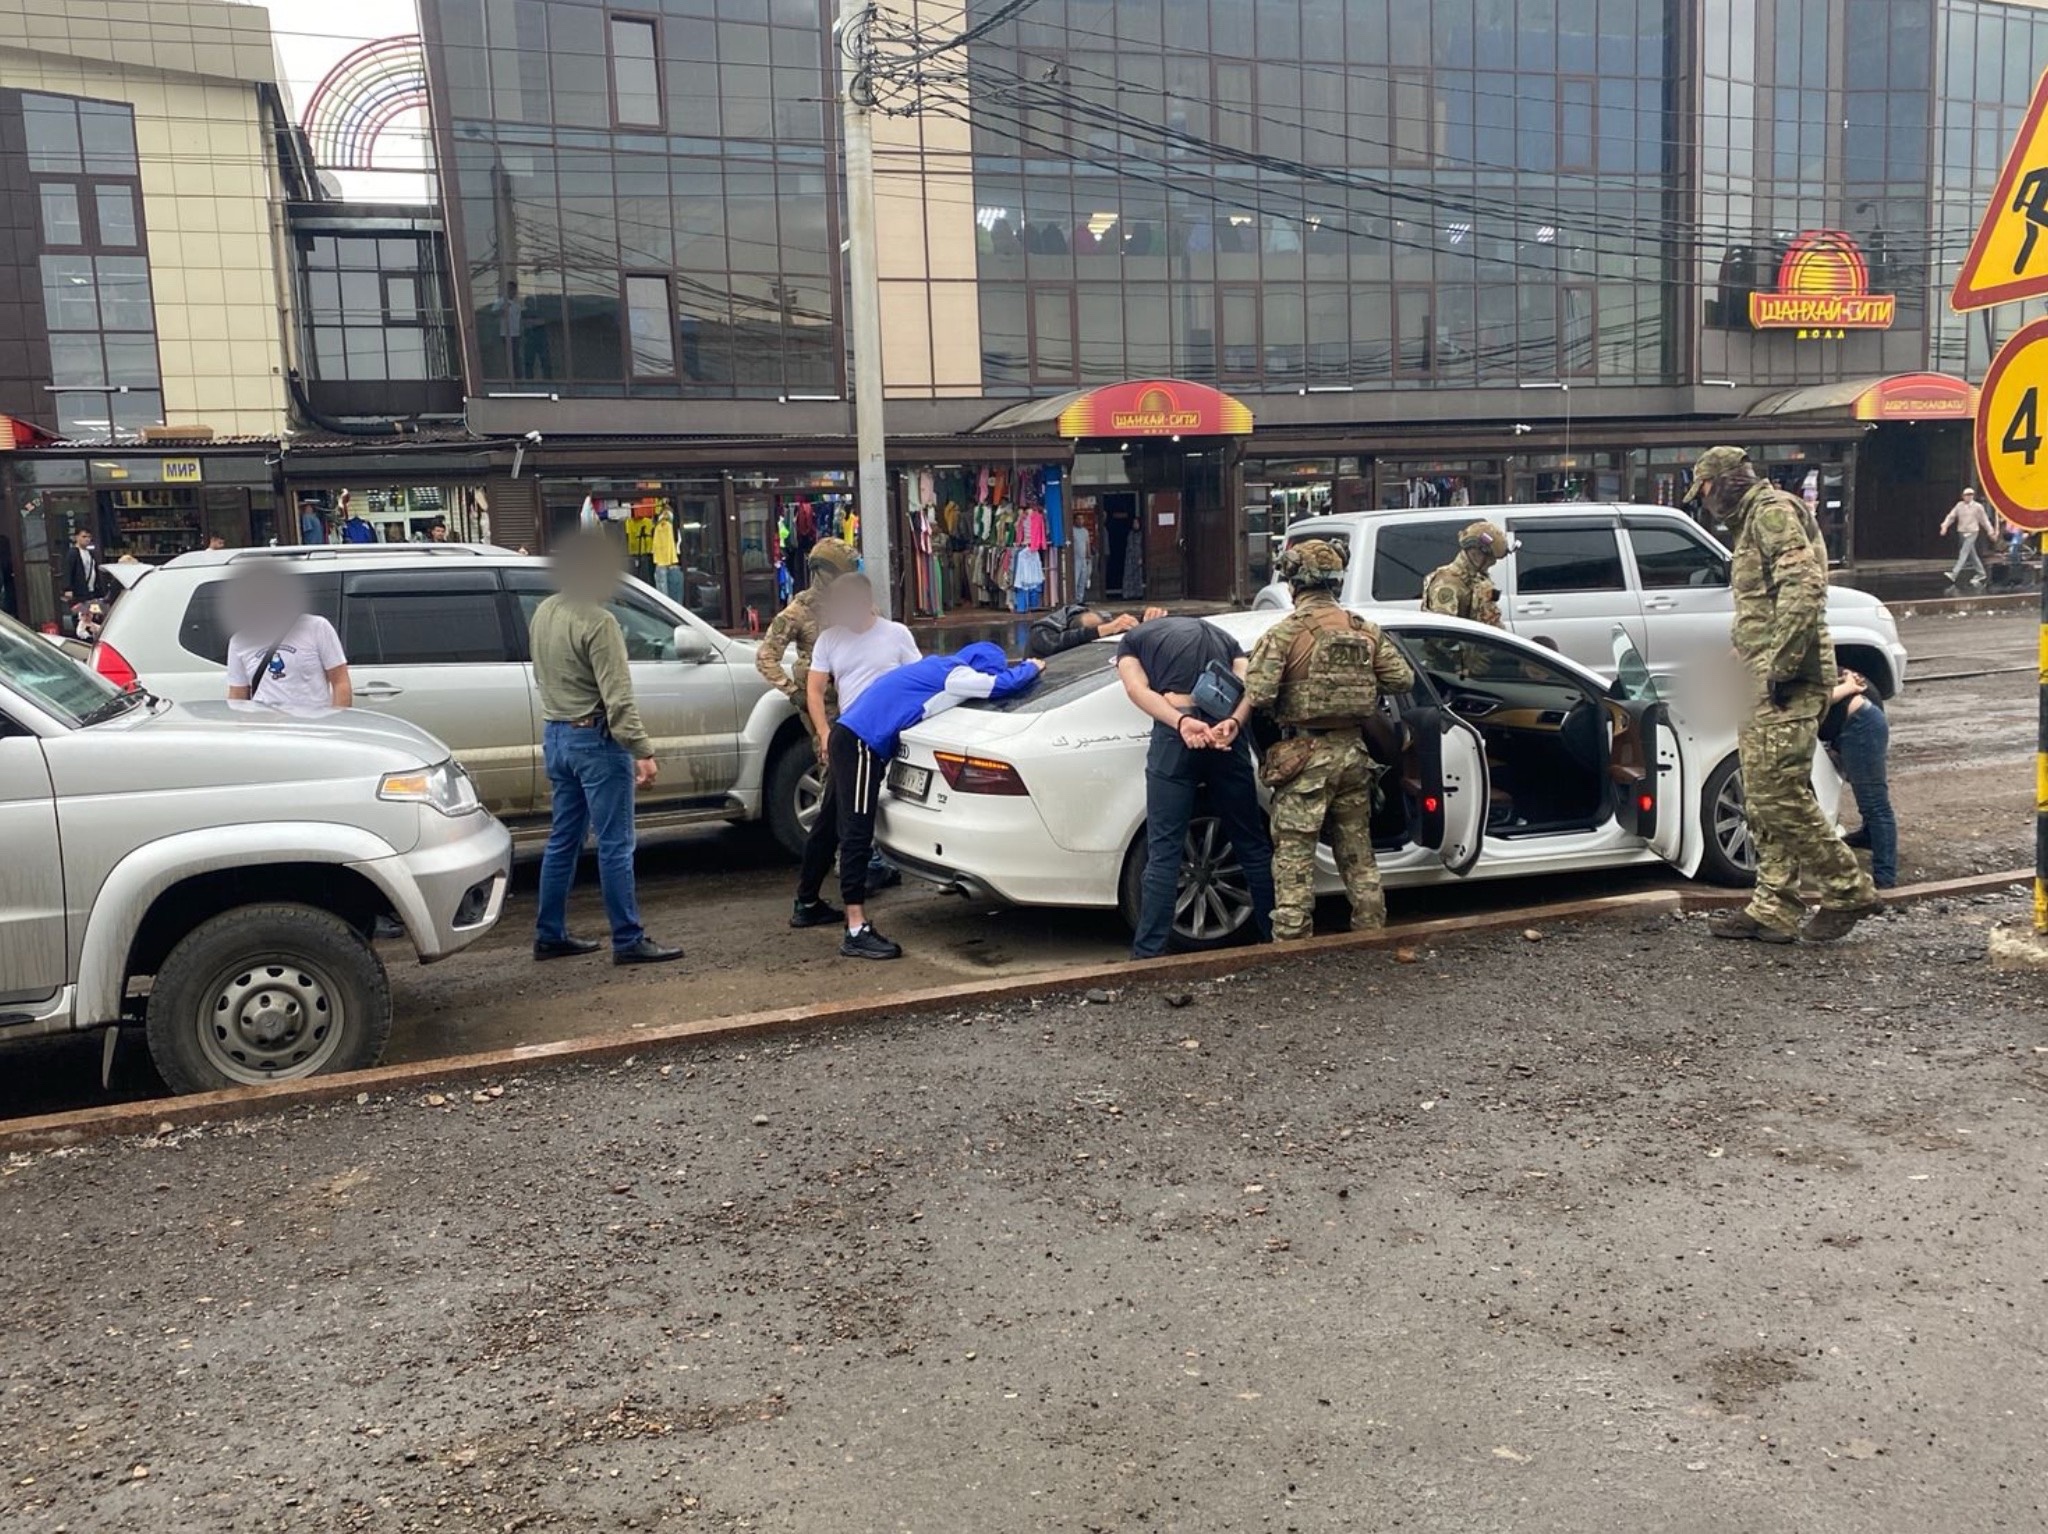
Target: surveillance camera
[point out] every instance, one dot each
(533, 436)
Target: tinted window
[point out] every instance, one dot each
(393, 620)
(1567, 559)
(650, 631)
(1405, 556)
(1670, 556)
(204, 631)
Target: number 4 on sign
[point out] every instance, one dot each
(2011, 465)
(2023, 436)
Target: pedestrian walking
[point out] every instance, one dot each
(1193, 751)
(1320, 673)
(1969, 521)
(595, 749)
(1780, 584)
(865, 738)
(1464, 588)
(856, 648)
(280, 652)
(1856, 729)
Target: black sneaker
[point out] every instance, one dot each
(868, 944)
(884, 876)
(814, 913)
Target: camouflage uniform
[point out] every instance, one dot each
(1781, 583)
(1337, 784)
(799, 624)
(1462, 588)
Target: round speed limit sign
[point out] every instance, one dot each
(2012, 428)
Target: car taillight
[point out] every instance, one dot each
(113, 665)
(980, 775)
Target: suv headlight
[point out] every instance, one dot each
(444, 787)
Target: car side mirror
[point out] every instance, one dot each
(692, 648)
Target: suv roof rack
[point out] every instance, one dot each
(350, 551)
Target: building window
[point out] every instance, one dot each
(636, 77)
(115, 208)
(62, 223)
(650, 327)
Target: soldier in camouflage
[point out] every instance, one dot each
(799, 624)
(1463, 588)
(1781, 581)
(1319, 673)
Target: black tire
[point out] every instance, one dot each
(1226, 900)
(267, 993)
(1731, 855)
(789, 795)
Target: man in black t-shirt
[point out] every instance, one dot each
(1159, 663)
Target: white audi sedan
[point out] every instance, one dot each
(1516, 761)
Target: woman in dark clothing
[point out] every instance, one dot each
(1859, 734)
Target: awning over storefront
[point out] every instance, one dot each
(1149, 407)
(16, 433)
(1902, 397)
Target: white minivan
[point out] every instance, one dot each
(1582, 569)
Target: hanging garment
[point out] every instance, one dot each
(1084, 568)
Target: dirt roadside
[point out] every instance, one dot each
(1711, 1236)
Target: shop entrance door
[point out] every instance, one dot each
(1123, 546)
(1165, 526)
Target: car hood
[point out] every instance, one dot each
(1844, 601)
(335, 728)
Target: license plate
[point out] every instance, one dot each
(910, 782)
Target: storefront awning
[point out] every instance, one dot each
(1149, 407)
(1902, 397)
(15, 432)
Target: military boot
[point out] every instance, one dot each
(1832, 923)
(1741, 926)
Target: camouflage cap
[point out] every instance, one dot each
(1486, 539)
(1713, 463)
(834, 554)
(1312, 562)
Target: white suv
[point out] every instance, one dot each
(1580, 571)
(436, 634)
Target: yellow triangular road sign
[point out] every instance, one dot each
(2008, 260)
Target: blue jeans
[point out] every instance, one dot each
(592, 777)
(668, 580)
(1175, 778)
(1862, 745)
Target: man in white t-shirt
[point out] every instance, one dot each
(856, 647)
(282, 654)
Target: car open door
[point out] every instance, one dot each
(1443, 778)
(1644, 767)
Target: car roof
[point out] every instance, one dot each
(370, 554)
(1519, 512)
(1246, 627)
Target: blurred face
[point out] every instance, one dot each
(589, 566)
(849, 603)
(1725, 491)
(265, 597)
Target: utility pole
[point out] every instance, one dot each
(853, 34)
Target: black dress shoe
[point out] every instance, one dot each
(564, 948)
(646, 951)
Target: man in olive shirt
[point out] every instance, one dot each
(596, 751)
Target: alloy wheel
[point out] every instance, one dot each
(1214, 900)
(1731, 825)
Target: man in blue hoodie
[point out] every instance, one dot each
(865, 738)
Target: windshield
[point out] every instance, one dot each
(38, 670)
(1068, 676)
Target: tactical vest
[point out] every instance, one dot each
(1328, 676)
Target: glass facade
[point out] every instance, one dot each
(93, 268)
(1991, 55)
(643, 199)
(1286, 194)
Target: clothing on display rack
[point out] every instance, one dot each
(985, 535)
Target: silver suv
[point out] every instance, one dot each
(436, 634)
(234, 857)
(1583, 569)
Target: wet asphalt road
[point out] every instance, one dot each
(1963, 779)
(1623, 1228)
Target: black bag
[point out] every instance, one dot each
(1217, 693)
